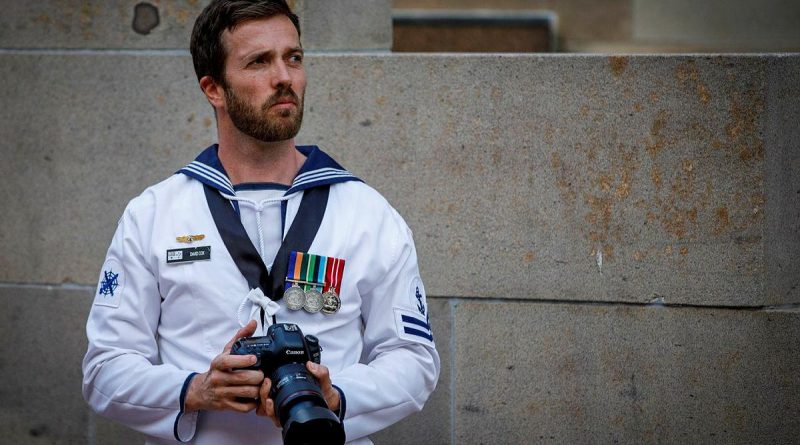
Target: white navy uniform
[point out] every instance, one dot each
(153, 324)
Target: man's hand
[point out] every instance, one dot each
(223, 387)
(267, 407)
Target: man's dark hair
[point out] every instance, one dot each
(208, 52)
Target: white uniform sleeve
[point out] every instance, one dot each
(123, 378)
(400, 364)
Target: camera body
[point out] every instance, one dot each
(282, 355)
(284, 344)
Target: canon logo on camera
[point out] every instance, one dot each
(290, 352)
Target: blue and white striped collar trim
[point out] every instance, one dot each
(318, 169)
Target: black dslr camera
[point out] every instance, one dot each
(282, 355)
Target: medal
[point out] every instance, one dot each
(308, 276)
(295, 297)
(313, 301)
(330, 302)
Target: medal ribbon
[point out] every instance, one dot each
(322, 265)
(307, 270)
(294, 267)
(311, 262)
(333, 274)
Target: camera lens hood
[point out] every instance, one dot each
(311, 424)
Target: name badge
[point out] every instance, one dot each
(188, 254)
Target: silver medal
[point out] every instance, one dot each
(295, 297)
(330, 302)
(313, 301)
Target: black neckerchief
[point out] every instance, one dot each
(299, 238)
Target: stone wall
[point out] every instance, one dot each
(610, 244)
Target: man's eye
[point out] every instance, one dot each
(297, 58)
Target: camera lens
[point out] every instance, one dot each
(302, 409)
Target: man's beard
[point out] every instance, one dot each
(257, 123)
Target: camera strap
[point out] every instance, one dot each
(299, 238)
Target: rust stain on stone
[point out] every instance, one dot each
(43, 19)
(722, 220)
(567, 367)
(691, 214)
(742, 131)
(674, 220)
(688, 75)
(86, 18)
(624, 187)
(658, 124)
(659, 141)
(618, 65)
(730, 361)
(452, 209)
(549, 134)
(703, 94)
(655, 176)
(207, 122)
(529, 256)
(604, 187)
(555, 160)
(608, 252)
(604, 182)
(566, 191)
(183, 15)
(455, 248)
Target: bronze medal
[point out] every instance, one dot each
(330, 302)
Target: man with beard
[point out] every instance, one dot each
(256, 231)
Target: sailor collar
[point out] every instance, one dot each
(317, 170)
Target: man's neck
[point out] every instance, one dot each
(248, 160)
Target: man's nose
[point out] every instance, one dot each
(281, 77)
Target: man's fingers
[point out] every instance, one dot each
(323, 376)
(226, 362)
(243, 393)
(263, 395)
(266, 407)
(248, 330)
(320, 372)
(264, 392)
(242, 406)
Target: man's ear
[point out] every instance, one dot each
(213, 91)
